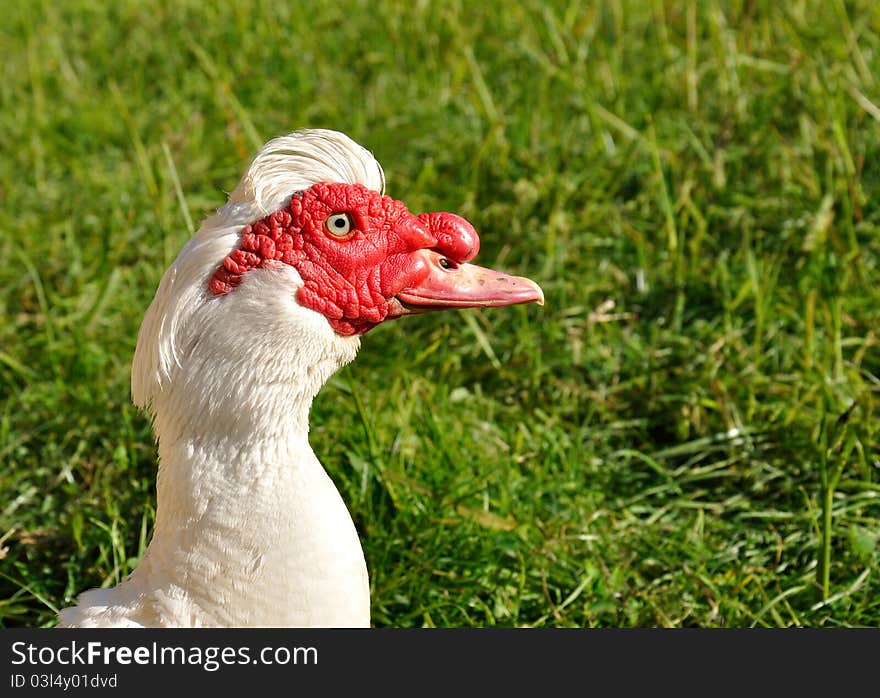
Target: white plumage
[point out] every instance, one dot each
(291, 555)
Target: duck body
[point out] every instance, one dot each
(262, 305)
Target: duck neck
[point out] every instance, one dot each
(248, 524)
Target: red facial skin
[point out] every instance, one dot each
(351, 280)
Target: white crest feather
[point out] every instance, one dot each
(281, 167)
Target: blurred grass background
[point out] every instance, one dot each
(686, 435)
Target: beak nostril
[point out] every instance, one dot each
(447, 264)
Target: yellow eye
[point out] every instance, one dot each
(338, 225)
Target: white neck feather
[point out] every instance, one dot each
(249, 529)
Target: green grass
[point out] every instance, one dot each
(686, 435)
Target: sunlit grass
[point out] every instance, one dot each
(686, 434)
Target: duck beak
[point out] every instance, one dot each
(449, 284)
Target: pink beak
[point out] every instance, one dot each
(450, 284)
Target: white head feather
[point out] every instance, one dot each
(283, 166)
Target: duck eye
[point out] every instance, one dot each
(338, 224)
